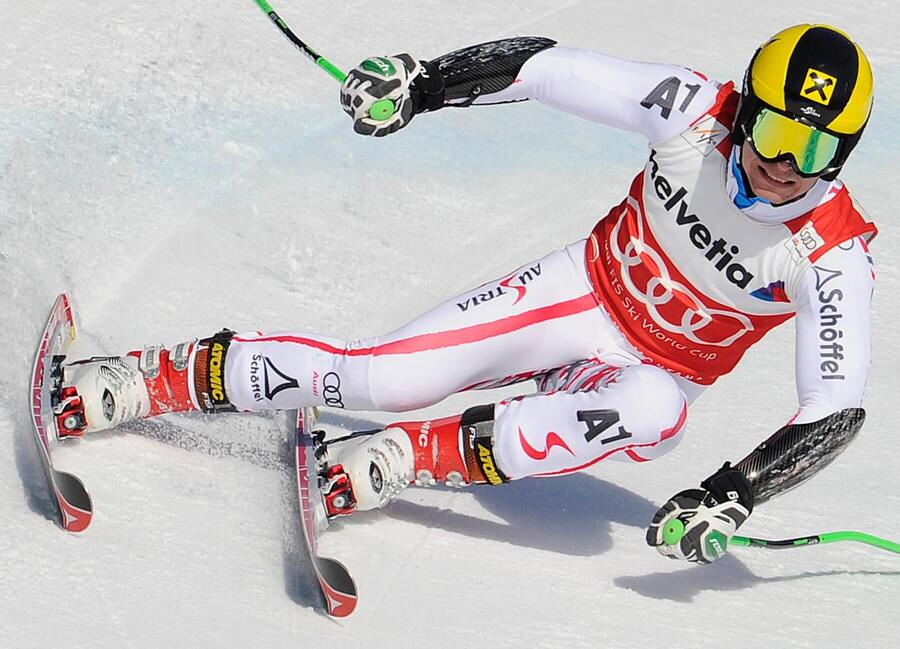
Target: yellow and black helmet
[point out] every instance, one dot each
(807, 97)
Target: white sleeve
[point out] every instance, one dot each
(656, 100)
(832, 337)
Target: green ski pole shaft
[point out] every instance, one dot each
(814, 539)
(674, 531)
(314, 56)
(380, 110)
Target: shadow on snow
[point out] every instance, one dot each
(727, 574)
(568, 514)
(36, 488)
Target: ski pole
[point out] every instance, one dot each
(675, 530)
(380, 110)
(813, 539)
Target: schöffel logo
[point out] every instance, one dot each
(266, 385)
(271, 384)
(255, 385)
(504, 287)
(831, 351)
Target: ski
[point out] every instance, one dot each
(73, 503)
(335, 582)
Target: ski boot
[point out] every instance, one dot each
(103, 392)
(368, 470)
(98, 393)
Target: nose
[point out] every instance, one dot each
(783, 169)
(784, 166)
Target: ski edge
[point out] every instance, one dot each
(337, 585)
(73, 502)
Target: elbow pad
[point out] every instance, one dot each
(460, 77)
(797, 452)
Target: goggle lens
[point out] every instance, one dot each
(775, 136)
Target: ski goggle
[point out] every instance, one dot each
(810, 151)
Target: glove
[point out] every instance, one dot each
(696, 524)
(383, 83)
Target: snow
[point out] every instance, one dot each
(178, 167)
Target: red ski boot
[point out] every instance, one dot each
(369, 471)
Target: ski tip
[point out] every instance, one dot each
(70, 316)
(338, 587)
(338, 604)
(74, 501)
(75, 521)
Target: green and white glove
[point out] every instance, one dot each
(377, 96)
(697, 524)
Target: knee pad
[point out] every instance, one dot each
(664, 407)
(663, 394)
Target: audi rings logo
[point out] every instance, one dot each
(331, 390)
(671, 304)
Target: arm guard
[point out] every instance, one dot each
(460, 77)
(797, 452)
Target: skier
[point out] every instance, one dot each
(737, 223)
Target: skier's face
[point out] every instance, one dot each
(775, 181)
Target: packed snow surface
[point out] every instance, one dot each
(179, 167)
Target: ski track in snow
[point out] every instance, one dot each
(180, 168)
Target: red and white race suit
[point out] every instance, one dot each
(621, 330)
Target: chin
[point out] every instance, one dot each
(776, 196)
(775, 199)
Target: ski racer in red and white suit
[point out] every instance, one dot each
(621, 330)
